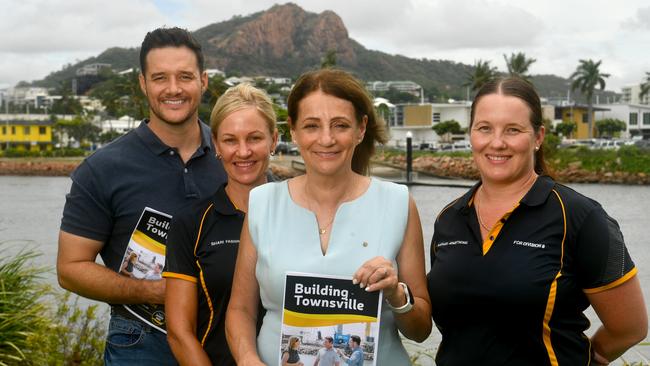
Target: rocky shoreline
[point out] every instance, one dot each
(464, 167)
(441, 166)
(63, 167)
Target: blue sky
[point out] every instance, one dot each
(40, 36)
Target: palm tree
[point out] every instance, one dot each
(586, 77)
(483, 73)
(645, 87)
(518, 65)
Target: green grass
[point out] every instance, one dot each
(627, 159)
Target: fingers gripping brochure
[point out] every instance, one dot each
(144, 258)
(317, 307)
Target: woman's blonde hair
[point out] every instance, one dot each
(239, 97)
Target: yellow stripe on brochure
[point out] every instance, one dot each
(146, 242)
(295, 319)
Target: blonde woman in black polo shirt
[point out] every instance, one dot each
(518, 258)
(204, 238)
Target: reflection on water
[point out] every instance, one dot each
(31, 213)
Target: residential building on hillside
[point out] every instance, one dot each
(273, 80)
(234, 80)
(405, 86)
(631, 95)
(33, 96)
(121, 125)
(213, 72)
(420, 118)
(92, 69)
(635, 116)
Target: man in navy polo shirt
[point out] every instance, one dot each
(122, 199)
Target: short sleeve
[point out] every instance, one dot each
(87, 212)
(602, 259)
(180, 259)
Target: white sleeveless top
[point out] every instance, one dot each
(286, 238)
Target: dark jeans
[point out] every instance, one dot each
(131, 342)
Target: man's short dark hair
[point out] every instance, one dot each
(169, 37)
(356, 339)
(329, 339)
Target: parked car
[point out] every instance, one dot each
(608, 144)
(642, 144)
(463, 145)
(287, 148)
(427, 146)
(576, 144)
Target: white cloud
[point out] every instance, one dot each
(39, 26)
(46, 34)
(640, 21)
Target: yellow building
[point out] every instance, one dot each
(28, 135)
(578, 114)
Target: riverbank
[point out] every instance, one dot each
(464, 167)
(63, 167)
(436, 165)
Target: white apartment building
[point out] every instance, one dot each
(636, 116)
(631, 95)
(92, 69)
(122, 125)
(405, 86)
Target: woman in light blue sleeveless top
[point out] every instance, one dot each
(333, 220)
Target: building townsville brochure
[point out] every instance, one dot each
(318, 306)
(144, 258)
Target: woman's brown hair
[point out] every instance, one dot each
(525, 91)
(342, 85)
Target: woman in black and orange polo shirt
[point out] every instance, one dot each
(518, 258)
(204, 239)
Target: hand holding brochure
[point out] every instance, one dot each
(319, 306)
(144, 258)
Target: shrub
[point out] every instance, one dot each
(33, 331)
(21, 312)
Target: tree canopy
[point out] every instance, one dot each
(518, 65)
(447, 127)
(586, 78)
(609, 126)
(483, 72)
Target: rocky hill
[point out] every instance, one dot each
(286, 41)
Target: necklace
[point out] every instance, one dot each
(478, 214)
(323, 230)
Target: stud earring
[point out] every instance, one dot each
(218, 156)
(536, 148)
(272, 153)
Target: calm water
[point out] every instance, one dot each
(31, 208)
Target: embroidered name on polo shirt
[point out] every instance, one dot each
(225, 241)
(457, 242)
(530, 245)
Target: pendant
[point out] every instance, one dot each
(321, 231)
